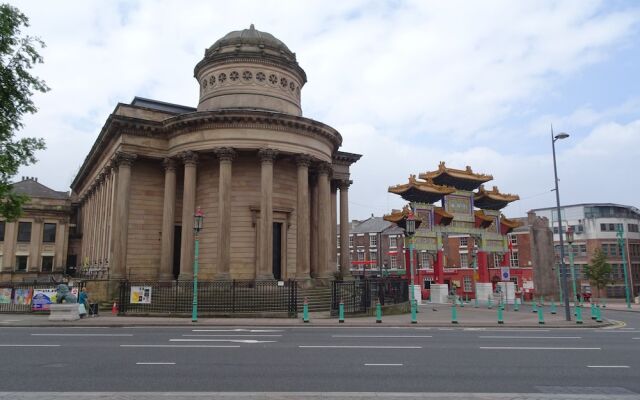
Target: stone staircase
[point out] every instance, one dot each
(319, 299)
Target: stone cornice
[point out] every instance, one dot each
(342, 157)
(216, 59)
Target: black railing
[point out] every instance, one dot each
(360, 296)
(235, 297)
(16, 297)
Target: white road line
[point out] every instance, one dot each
(238, 330)
(514, 330)
(530, 337)
(234, 335)
(30, 345)
(82, 334)
(383, 365)
(607, 366)
(381, 336)
(540, 348)
(360, 347)
(248, 341)
(176, 345)
(155, 363)
(635, 338)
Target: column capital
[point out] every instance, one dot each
(189, 157)
(324, 168)
(303, 160)
(343, 184)
(122, 158)
(169, 164)
(101, 177)
(225, 153)
(267, 155)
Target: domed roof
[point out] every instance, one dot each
(251, 39)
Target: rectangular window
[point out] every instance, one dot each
(393, 261)
(514, 279)
(582, 250)
(464, 260)
(427, 283)
(424, 259)
(497, 260)
(373, 255)
(338, 260)
(47, 263)
(467, 284)
(1, 231)
(393, 241)
(360, 254)
(350, 241)
(373, 240)
(21, 263)
(49, 233)
(338, 241)
(464, 242)
(632, 227)
(513, 239)
(514, 259)
(24, 232)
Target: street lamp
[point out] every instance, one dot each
(563, 272)
(198, 218)
(573, 271)
(410, 230)
(619, 233)
(475, 270)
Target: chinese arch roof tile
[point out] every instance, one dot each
(493, 199)
(421, 191)
(462, 179)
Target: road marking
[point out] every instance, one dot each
(30, 345)
(155, 363)
(176, 345)
(635, 338)
(248, 341)
(383, 365)
(237, 330)
(446, 329)
(607, 366)
(82, 334)
(381, 336)
(234, 335)
(360, 347)
(530, 337)
(540, 348)
(513, 330)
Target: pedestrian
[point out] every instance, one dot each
(83, 301)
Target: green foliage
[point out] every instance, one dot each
(598, 272)
(18, 55)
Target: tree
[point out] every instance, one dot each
(18, 55)
(598, 272)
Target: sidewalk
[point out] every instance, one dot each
(428, 316)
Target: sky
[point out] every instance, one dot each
(407, 84)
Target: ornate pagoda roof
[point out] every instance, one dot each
(400, 217)
(421, 191)
(507, 225)
(493, 199)
(482, 220)
(462, 179)
(442, 217)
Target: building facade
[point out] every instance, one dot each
(595, 226)
(266, 178)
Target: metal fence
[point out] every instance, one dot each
(360, 296)
(214, 298)
(16, 297)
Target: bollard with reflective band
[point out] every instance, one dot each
(593, 311)
(553, 307)
(341, 313)
(489, 303)
(540, 316)
(305, 310)
(534, 307)
(378, 313)
(454, 314)
(500, 319)
(598, 314)
(579, 315)
(604, 303)
(516, 305)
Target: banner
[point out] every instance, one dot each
(5, 296)
(42, 298)
(140, 294)
(505, 274)
(22, 296)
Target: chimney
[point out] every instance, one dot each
(36, 178)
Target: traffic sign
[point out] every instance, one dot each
(505, 274)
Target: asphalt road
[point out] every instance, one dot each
(323, 359)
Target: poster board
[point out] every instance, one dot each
(43, 298)
(140, 295)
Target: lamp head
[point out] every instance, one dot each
(561, 135)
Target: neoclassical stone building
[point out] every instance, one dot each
(265, 177)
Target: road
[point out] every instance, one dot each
(323, 359)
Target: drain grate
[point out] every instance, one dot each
(584, 390)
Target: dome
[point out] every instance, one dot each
(251, 39)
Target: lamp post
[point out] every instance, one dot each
(573, 271)
(475, 269)
(410, 230)
(619, 234)
(197, 227)
(563, 268)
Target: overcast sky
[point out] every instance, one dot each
(407, 83)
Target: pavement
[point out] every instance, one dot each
(439, 315)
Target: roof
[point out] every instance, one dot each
(161, 105)
(252, 36)
(32, 188)
(632, 208)
(463, 179)
(372, 224)
(421, 191)
(493, 199)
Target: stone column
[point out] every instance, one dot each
(35, 258)
(302, 219)
(60, 245)
(100, 213)
(345, 262)
(190, 160)
(225, 155)
(83, 229)
(121, 228)
(313, 232)
(9, 256)
(324, 220)
(92, 217)
(114, 209)
(168, 219)
(267, 158)
(333, 241)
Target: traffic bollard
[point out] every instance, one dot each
(454, 314)
(604, 303)
(534, 307)
(305, 311)
(579, 315)
(341, 315)
(475, 303)
(500, 319)
(540, 315)
(516, 305)
(378, 313)
(553, 307)
(414, 306)
(593, 311)
(598, 314)
(489, 303)
(461, 302)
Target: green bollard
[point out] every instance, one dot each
(461, 302)
(489, 303)
(305, 311)
(604, 303)
(598, 314)
(540, 316)
(579, 315)
(500, 319)
(414, 317)
(534, 307)
(341, 315)
(454, 314)
(516, 305)
(593, 311)
(541, 301)
(466, 298)
(378, 313)
(475, 303)
(553, 307)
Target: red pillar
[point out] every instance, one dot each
(505, 260)
(438, 268)
(483, 268)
